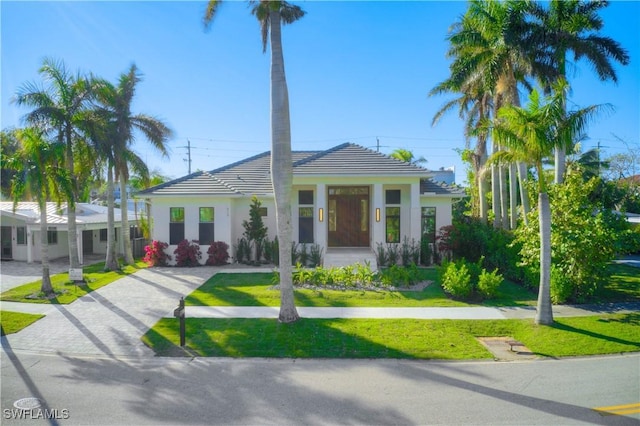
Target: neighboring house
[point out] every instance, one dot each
(346, 196)
(21, 230)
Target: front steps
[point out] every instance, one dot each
(345, 256)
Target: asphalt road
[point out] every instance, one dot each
(117, 391)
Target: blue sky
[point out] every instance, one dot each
(357, 72)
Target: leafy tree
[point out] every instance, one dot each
(58, 109)
(530, 135)
(40, 172)
(271, 16)
(407, 156)
(8, 148)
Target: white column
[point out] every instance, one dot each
(29, 245)
(416, 212)
(377, 203)
(321, 227)
(80, 248)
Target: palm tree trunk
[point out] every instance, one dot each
(544, 314)
(124, 217)
(504, 202)
(524, 193)
(74, 259)
(111, 261)
(46, 287)
(560, 163)
(281, 168)
(513, 197)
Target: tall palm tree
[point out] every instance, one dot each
(40, 172)
(573, 26)
(530, 134)
(57, 109)
(116, 100)
(488, 57)
(272, 15)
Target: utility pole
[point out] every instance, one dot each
(188, 159)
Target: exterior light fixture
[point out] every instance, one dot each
(377, 214)
(321, 214)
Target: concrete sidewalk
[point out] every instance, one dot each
(111, 320)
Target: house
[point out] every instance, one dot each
(345, 197)
(21, 230)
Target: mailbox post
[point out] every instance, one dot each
(179, 313)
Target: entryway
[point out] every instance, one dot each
(5, 240)
(345, 256)
(349, 216)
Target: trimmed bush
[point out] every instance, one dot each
(187, 254)
(218, 253)
(488, 283)
(155, 255)
(456, 279)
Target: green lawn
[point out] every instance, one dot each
(623, 285)
(396, 338)
(12, 322)
(66, 291)
(255, 290)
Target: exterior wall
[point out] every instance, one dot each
(55, 250)
(443, 209)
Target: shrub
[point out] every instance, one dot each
(155, 255)
(488, 283)
(303, 254)
(187, 254)
(405, 251)
(218, 253)
(392, 254)
(243, 251)
(381, 255)
(456, 279)
(315, 255)
(425, 252)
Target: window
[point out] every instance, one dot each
(392, 196)
(305, 197)
(104, 236)
(206, 230)
(22, 235)
(263, 211)
(392, 224)
(429, 224)
(176, 224)
(305, 216)
(52, 235)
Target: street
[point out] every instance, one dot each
(119, 391)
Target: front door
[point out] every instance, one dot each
(5, 238)
(348, 216)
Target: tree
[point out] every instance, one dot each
(272, 15)
(407, 156)
(573, 26)
(254, 228)
(530, 135)
(115, 101)
(8, 148)
(58, 108)
(40, 172)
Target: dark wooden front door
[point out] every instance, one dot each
(348, 216)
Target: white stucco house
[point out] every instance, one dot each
(344, 197)
(21, 230)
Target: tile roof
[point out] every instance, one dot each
(252, 175)
(56, 215)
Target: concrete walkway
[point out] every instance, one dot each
(111, 320)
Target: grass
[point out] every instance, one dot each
(12, 322)
(622, 286)
(393, 338)
(254, 290)
(67, 291)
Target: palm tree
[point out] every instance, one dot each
(407, 156)
(116, 102)
(573, 26)
(40, 172)
(58, 109)
(530, 134)
(489, 60)
(272, 15)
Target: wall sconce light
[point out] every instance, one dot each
(320, 214)
(377, 214)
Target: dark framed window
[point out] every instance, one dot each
(305, 197)
(206, 227)
(305, 224)
(392, 224)
(263, 211)
(104, 235)
(392, 196)
(52, 235)
(21, 236)
(176, 224)
(428, 220)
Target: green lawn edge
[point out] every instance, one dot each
(391, 338)
(12, 322)
(66, 291)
